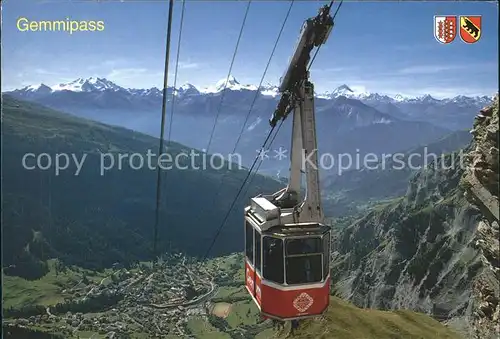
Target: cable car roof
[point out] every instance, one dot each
(298, 230)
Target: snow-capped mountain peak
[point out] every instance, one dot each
(344, 91)
(87, 85)
(229, 83)
(399, 97)
(269, 90)
(187, 89)
(73, 86)
(187, 86)
(33, 90)
(426, 98)
(37, 88)
(98, 85)
(102, 84)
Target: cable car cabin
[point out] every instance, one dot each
(286, 266)
(287, 248)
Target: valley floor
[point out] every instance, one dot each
(181, 298)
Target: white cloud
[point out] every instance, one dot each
(138, 77)
(124, 73)
(432, 69)
(108, 64)
(188, 65)
(43, 71)
(429, 69)
(414, 47)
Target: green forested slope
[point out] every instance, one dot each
(95, 220)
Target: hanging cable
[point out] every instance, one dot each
(174, 94)
(227, 78)
(226, 83)
(249, 183)
(163, 110)
(253, 165)
(176, 72)
(237, 195)
(257, 93)
(263, 77)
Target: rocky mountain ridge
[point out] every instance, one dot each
(481, 184)
(434, 250)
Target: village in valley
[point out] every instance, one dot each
(174, 297)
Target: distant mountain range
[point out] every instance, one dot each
(94, 84)
(348, 121)
(94, 92)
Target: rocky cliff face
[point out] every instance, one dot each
(435, 250)
(481, 187)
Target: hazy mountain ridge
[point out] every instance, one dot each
(95, 92)
(345, 124)
(351, 191)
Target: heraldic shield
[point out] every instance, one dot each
(445, 28)
(470, 28)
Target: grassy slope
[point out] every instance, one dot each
(47, 290)
(345, 321)
(342, 320)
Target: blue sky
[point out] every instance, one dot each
(385, 47)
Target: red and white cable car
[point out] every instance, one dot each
(287, 248)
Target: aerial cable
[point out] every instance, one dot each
(226, 83)
(243, 128)
(228, 74)
(263, 149)
(337, 10)
(176, 72)
(249, 183)
(237, 195)
(163, 110)
(219, 189)
(174, 94)
(263, 77)
(331, 4)
(255, 161)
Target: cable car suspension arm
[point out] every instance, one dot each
(298, 95)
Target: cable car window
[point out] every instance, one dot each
(326, 262)
(303, 246)
(249, 242)
(273, 269)
(304, 269)
(304, 260)
(257, 250)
